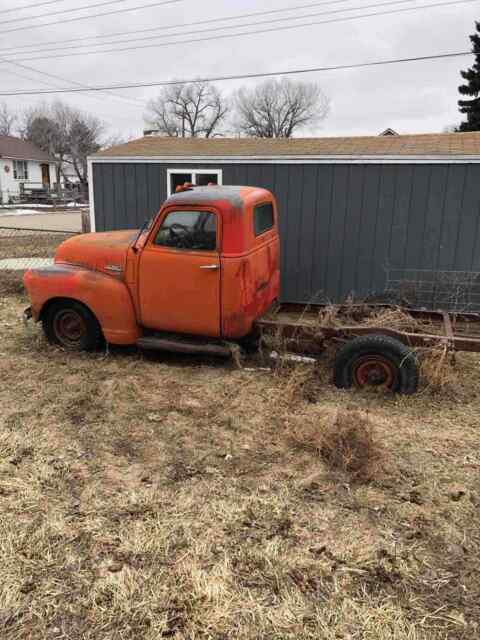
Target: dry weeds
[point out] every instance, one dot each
(346, 442)
(11, 282)
(143, 498)
(368, 316)
(33, 244)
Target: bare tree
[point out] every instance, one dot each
(83, 139)
(68, 135)
(190, 110)
(8, 120)
(279, 108)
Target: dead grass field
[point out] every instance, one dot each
(34, 244)
(143, 498)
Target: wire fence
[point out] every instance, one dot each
(456, 291)
(22, 249)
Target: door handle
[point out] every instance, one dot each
(209, 266)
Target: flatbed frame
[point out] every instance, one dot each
(300, 326)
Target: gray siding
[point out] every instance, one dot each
(344, 228)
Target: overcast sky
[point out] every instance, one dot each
(411, 98)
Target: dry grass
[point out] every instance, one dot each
(35, 244)
(346, 442)
(368, 316)
(439, 370)
(11, 282)
(24, 244)
(162, 497)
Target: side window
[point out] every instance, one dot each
(262, 218)
(190, 230)
(177, 180)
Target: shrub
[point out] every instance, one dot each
(346, 443)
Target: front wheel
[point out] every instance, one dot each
(376, 361)
(72, 326)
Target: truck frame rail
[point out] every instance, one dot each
(308, 329)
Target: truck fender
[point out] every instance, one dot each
(107, 297)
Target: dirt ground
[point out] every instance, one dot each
(170, 497)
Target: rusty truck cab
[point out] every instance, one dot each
(209, 264)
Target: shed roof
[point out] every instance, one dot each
(420, 145)
(18, 149)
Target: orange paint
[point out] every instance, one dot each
(135, 284)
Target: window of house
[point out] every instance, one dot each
(262, 218)
(178, 177)
(20, 170)
(191, 230)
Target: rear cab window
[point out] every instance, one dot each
(263, 218)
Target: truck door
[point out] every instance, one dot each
(179, 274)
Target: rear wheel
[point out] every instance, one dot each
(72, 326)
(376, 361)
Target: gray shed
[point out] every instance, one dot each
(357, 215)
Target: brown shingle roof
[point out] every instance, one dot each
(11, 147)
(428, 144)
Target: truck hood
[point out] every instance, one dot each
(105, 252)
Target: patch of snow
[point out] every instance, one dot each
(76, 205)
(21, 206)
(19, 264)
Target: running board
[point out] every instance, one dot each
(183, 346)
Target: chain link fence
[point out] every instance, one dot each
(22, 249)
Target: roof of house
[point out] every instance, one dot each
(16, 148)
(422, 145)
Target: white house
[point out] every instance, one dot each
(22, 163)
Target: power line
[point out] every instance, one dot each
(177, 26)
(55, 77)
(50, 84)
(247, 33)
(29, 6)
(62, 11)
(245, 76)
(93, 15)
(224, 27)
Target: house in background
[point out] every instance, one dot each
(23, 166)
(357, 215)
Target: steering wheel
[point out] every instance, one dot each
(178, 233)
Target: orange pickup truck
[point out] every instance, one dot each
(206, 266)
(203, 273)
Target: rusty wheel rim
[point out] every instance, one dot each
(374, 371)
(70, 328)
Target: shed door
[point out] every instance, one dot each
(180, 275)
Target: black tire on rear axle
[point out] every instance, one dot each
(72, 326)
(376, 361)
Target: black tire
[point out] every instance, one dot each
(376, 360)
(72, 326)
(250, 343)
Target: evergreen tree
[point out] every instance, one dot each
(471, 108)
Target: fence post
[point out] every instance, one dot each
(85, 221)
